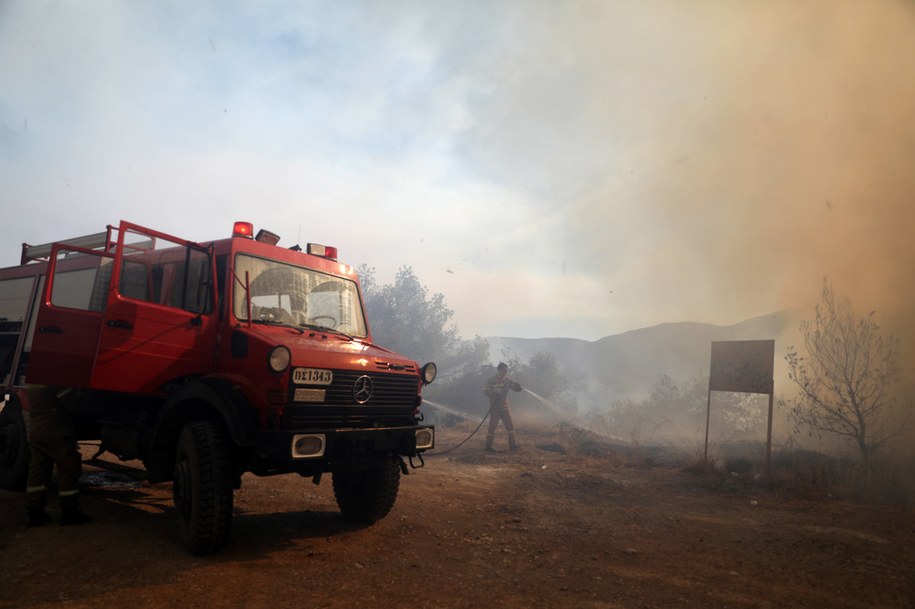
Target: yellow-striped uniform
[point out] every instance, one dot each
(52, 442)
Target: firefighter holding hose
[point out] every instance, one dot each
(496, 390)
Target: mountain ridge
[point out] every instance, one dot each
(627, 365)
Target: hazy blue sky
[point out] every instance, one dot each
(575, 168)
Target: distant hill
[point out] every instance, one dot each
(627, 365)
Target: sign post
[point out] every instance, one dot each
(742, 366)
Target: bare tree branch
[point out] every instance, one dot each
(844, 379)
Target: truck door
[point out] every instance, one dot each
(69, 317)
(158, 325)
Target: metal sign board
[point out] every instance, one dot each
(744, 366)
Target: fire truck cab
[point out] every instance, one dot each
(205, 361)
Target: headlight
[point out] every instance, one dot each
(306, 446)
(425, 439)
(279, 359)
(428, 373)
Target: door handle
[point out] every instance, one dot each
(120, 323)
(51, 329)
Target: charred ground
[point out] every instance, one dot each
(535, 528)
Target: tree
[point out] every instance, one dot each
(405, 318)
(845, 381)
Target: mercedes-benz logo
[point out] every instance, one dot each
(362, 389)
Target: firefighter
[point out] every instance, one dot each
(496, 390)
(52, 441)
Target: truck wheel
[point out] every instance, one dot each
(202, 487)
(14, 448)
(367, 495)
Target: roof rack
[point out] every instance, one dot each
(41, 252)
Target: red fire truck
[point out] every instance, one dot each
(205, 361)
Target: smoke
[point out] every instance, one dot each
(716, 160)
(595, 162)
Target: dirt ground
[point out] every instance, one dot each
(532, 528)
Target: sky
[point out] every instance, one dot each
(553, 169)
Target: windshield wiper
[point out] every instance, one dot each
(274, 322)
(320, 328)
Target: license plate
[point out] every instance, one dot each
(315, 396)
(312, 376)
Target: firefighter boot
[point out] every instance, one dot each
(71, 514)
(38, 517)
(512, 443)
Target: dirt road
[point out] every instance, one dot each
(535, 528)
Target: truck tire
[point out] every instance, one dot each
(367, 495)
(202, 487)
(14, 448)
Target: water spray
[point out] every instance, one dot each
(552, 405)
(463, 415)
(456, 413)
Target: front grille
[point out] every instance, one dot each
(391, 403)
(387, 389)
(300, 416)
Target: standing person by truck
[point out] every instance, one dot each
(52, 442)
(206, 361)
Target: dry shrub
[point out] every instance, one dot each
(809, 469)
(580, 442)
(702, 464)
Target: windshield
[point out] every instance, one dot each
(287, 294)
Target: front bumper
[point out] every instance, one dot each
(277, 449)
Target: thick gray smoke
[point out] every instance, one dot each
(713, 159)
